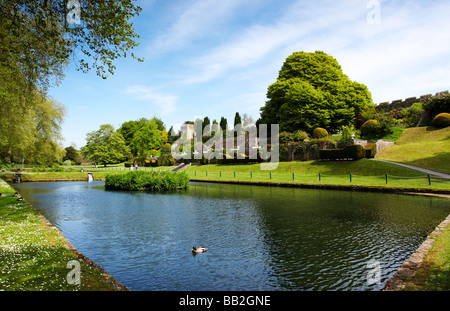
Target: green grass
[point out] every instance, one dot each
(34, 257)
(364, 173)
(427, 147)
(395, 135)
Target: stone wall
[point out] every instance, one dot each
(381, 144)
(404, 103)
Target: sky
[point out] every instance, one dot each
(215, 58)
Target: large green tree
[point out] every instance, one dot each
(312, 91)
(146, 138)
(30, 126)
(144, 134)
(105, 146)
(39, 36)
(37, 41)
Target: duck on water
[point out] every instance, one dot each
(198, 250)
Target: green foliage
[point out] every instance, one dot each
(206, 125)
(237, 119)
(412, 114)
(370, 150)
(354, 152)
(223, 124)
(436, 105)
(30, 125)
(442, 120)
(37, 38)
(165, 158)
(150, 181)
(347, 132)
(320, 132)
(297, 136)
(369, 127)
(311, 91)
(71, 154)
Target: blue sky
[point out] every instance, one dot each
(214, 58)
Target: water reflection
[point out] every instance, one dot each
(258, 238)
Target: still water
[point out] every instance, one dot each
(258, 238)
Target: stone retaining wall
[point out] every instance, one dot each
(409, 268)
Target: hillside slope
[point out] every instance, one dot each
(427, 147)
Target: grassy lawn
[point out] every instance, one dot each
(426, 147)
(364, 173)
(34, 257)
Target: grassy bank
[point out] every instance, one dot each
(363, 173)
(434, 273)
(427, 147)
(34, 256)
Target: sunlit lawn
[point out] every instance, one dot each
(351, 173)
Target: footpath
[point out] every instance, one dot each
(417, 168)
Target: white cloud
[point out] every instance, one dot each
(166, 103)
(203, 18)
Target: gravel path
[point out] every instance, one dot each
(420, 169)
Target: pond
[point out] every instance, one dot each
(258, 238)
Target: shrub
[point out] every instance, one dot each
(300, 136)
(435, 105)
(412, 115)
(441, 120)
(297, 136)
(370, 127)
(353, 152)
(320, 132)
(151, 181)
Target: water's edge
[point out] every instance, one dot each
(409, 268)
(78, 255)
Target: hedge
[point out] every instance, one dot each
(150, 181)
(353, 152)
(370, 150)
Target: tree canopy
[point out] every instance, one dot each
(312, 91)
(105, 146)
(37, 41)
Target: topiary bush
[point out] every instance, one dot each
(320, 132)
(369, 127)
(441, 120)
